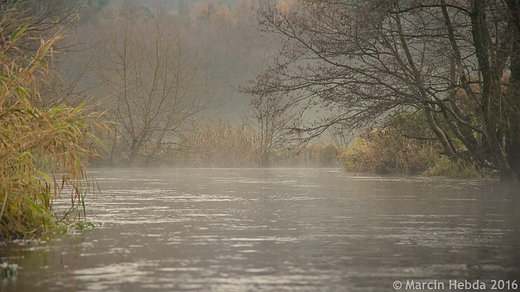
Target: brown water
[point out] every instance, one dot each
(277, 230)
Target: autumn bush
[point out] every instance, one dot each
(383, 151)
(218, 143)
(404, 144)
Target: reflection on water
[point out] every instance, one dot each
(276, 230)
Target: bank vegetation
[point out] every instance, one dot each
(404, 144)
(42, 148)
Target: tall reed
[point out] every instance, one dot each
(41, 149)
(216, 143)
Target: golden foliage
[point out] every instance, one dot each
(405, 145)
(35, 139)
(382, 151)
(287, 5)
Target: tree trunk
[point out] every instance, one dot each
(491, 100)
(441, 136)
(513, 91)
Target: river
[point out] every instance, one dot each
(279, 230)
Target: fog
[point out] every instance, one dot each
(200, 187)
(223, 35)
(163, 72)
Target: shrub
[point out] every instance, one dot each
(404, 145)
(455, 168)
(384, 151)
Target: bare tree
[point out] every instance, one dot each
(275, 120)
(153, 78)
(366, 59)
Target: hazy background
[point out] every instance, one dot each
(223, 33)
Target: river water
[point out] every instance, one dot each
(279, 230)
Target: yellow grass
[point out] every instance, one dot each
(36, 143)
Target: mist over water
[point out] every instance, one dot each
(276, 230)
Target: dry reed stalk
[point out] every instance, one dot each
(36, 141)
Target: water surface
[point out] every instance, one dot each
(276, 230)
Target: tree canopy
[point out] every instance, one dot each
(356, 61)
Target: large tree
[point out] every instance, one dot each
(455, 60)
(153, 77)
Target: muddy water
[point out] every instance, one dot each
(278, 230)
